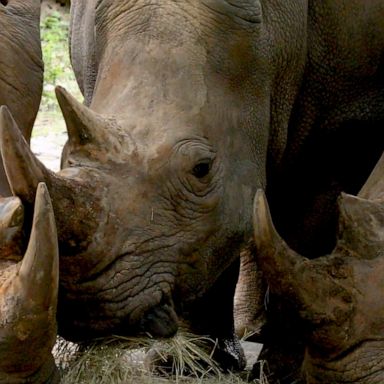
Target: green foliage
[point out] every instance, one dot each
(58, 70)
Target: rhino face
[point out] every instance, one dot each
(168, 208)
(339, 296)
(153, 200)
(21, 66)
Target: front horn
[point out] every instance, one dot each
(305, 283)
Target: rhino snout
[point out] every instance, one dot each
(160, 321)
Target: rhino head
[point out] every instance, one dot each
(28, 292)
(339, 296)
(153, 202)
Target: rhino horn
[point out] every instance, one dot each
(278, 261)
(84, 125)
(28, 301)
(24, 171)
(373, 188)
(361, 219)
(39, 270)
(306, 284)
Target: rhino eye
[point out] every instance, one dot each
(201, 169)
(4, 2)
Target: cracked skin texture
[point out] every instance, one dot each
(21, 66)
(274, 87)
(336, 297)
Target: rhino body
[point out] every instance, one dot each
(190, 107)
(21, 75)
(337, 297)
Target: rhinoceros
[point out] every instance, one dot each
(190, 108)
(28, 292)
(29, 284)
(21, 66)
(337, 297)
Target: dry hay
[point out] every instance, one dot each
(184, 359)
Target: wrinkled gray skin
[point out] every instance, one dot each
(21, 66)
(337, 297)
(251, 93)
(272, 88)
(28, 283)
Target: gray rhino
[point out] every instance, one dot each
(338, 297)
(190, 108)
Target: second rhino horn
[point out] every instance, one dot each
(24, 171)
(84, 125)
(361, 228)
(280, 263)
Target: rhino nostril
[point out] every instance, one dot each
(160, 321)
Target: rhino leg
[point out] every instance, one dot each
(21, 66)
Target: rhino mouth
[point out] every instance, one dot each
(117, 307)
(79, 321)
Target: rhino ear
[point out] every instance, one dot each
(84, 126)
